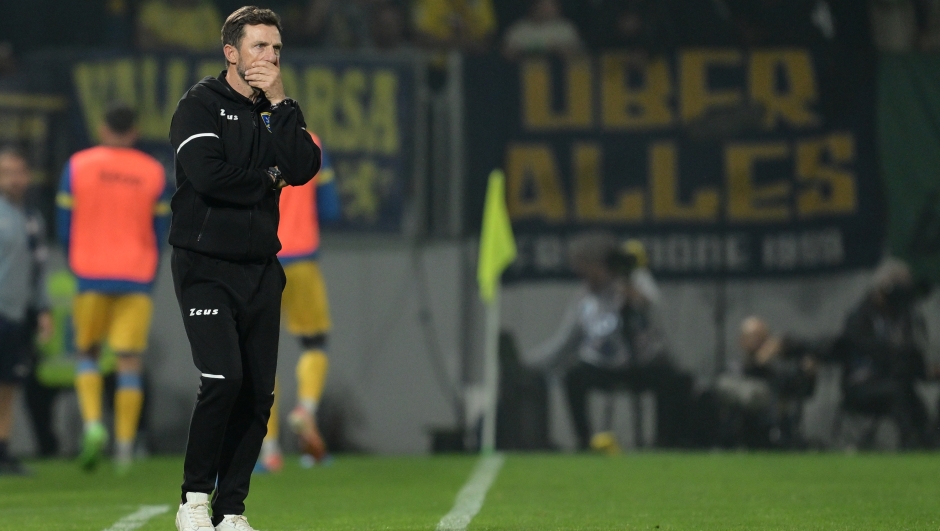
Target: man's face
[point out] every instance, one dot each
(259, 43)
(14, 177)
(753, 334)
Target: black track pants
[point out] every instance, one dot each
(231, 312)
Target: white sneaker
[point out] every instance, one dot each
(234, 522)
(194, 514)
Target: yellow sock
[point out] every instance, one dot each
(128, 402)
(273, 423)
(311, 376)
(88, 386)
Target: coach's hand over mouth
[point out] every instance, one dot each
(266, 77)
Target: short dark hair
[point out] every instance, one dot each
(120, 118)
(234, 28)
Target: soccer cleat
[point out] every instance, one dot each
(303, 424)
(194, 514)
(272, 463)
(605, 443)
(123, 458)
(234, 522)
(96, 437)
(307, 461)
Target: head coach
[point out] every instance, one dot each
(238, 140)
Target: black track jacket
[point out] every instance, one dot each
(225, 205)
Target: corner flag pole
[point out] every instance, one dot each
(491, 374)
(497, 251)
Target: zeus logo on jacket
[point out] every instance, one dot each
(207, 311)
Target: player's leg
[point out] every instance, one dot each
(39, 400)
(90, 314)
(259, 329)
(311, 372)
(312, 368)
(130, 325)
(308, 316)
(580, 379)
(7, 397)
(13, 369)
(128, 401)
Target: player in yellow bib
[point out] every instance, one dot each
(112, 216)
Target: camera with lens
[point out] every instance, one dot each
(627, 258)
(621, 263)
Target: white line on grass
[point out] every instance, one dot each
(470, 498)
(138, 519)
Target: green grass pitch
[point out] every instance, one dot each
(648, 491)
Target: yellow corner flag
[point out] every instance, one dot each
(497, 244)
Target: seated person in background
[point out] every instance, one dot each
(178, 25)
(331, 24)
(779, 372)
(543, 30)
(881, 353)
(640, 24)
(439, 27)
(388, 27)
(608, 340)
(464, 25)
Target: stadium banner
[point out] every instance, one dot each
(724, 162)
(362, 107)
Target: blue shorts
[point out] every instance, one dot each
(14, 351)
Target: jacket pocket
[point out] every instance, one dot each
(204, 222)
(224, 232)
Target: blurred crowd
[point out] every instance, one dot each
(615, 338)
(512, 26)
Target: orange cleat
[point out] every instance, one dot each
(273, 463)
(304, 425)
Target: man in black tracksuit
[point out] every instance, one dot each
(238, 140)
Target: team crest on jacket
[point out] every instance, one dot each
(266, 118)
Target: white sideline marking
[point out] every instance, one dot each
(138, 519)
(470, 498)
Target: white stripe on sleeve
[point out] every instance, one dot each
(216, 376)
(192, 138)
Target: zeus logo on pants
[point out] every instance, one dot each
(193, 311)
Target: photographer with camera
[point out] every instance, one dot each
(881, 350)
(763, 403)
(609, 339)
